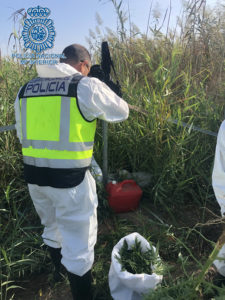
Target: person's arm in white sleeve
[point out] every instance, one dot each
(218, 176)
(17, 117)
(97, 100)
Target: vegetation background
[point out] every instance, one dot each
(178, 75)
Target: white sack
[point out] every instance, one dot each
(127, 286)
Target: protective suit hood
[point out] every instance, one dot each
(59, 70)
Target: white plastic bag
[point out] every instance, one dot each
(143, 179)
(127, 286)
(96, 171)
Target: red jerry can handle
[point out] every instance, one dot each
(127, 182)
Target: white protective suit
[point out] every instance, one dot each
(69, 214)
(218, 182)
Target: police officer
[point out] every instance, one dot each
(56, 120)
(218, 182)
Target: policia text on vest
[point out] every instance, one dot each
(55, 153)
(50, 86)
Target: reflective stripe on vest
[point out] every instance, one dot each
(54, 133)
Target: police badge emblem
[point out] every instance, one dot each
(38, 31)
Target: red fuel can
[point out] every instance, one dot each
(123, 196)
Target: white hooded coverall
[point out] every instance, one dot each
(69, 214)
(218, 182)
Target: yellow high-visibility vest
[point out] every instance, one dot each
(55, 134)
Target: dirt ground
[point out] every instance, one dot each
(39, 288)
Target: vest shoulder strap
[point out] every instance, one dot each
(59, 86)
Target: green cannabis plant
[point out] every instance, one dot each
(137, 261)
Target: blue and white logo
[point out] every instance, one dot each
(38, 31)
